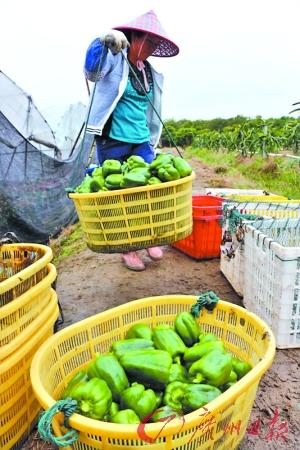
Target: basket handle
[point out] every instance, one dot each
(206, 300)
(151, 103)
(45, 429)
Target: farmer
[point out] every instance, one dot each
(121, 118)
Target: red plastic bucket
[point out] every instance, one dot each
(205, 240)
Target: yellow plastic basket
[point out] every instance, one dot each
(20, 318)
(21, 267)
(243, 333)
(18, 405)
(135, 218)
(258, 198)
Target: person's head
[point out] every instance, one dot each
(147, 38)
(142, 45)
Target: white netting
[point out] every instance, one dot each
(284, 231)
(18, 108)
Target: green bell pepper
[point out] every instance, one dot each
(78, 377)
(240, 367)
(196, 352)
(186, 397)
(108, 368)
(133, 180)
(140, 331)
(182, 166)
(159, 397)
(197, 395)
(97, 172)
(187, 327)
(168, 173)
(207, 337)
(148, 366)
(173, 395)
(161, 160)
(214, 368)
(163, 413)
(97, 183)
(178, 373)
(232, 377)
(111, 166)
(125, 168)
(114, 181)
(231, 381)
(226, 386)
(135, 161)
(93, 398)
(84, 187)
(142, 401)
(124, 346)
(142, 171)
(154, 180)
(114, 408)
(127, 416)
(166, 338)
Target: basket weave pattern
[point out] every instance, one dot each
(136, 218)
(243, 333)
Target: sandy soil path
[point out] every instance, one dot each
(89, 283)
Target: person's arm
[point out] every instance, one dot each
(113, 40)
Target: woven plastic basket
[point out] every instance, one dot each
(19, 407)
(278, 209)
(243, 333)
(20, 318)
(131, 219)
(234, 268)
(21, 267)
(272, 277)
(222, 192)
(256, 198)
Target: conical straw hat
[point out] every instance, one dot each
(149, 22)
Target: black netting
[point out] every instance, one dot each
(33, 202)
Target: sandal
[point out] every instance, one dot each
(155, 253)
(133, 262)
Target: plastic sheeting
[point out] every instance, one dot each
(33, 177)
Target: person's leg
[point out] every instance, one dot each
(108, 148)
(145, 150)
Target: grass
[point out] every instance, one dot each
(69, 242)
(278, 175)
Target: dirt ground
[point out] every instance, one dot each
(89, 283)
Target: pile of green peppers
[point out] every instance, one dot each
(154, 373)
(134, 172)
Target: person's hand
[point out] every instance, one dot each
(115, 40)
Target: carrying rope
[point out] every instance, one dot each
(45, 429)
(99, 68)
(206, 300)
(101, 62)
(233, 218)
(151, 103)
